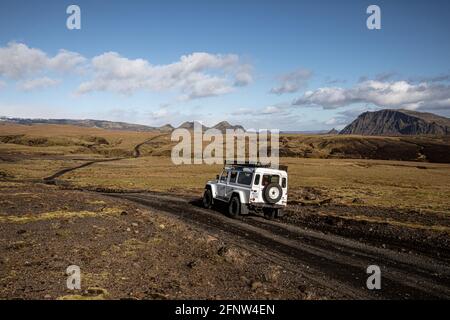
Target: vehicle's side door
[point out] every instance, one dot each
(222, 184)
(256, 189)
(231, 185)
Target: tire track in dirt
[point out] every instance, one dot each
(137, 153)
(52, 178)
(331, 261)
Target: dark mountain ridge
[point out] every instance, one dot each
(389, 122)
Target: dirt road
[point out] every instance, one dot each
(137, 151)
(136, 154)
(331, 261)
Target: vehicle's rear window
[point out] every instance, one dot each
(283, 182)
(245, 178)
(270, 178)
(233, 177)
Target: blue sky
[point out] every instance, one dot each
(291, 65)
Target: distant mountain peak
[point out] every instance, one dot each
(398, 122)
(223, 123)
(190, 125)
(166, 127)
(222, 126)
(333, 131)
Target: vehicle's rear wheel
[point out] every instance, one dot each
(207, 199)
(234, 207)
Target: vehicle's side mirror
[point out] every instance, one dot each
(217, 177)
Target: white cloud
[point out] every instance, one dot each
(292, 82)
(196, 75)
(331, 121)
(67, 61)
(271, 110)
(200, 86)
(38, 83)
(398, 94)
(167, 114)
(279, 109)
(18, 61)
(2, 84)
(243, 75)
(162, 113)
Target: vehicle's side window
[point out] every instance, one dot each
(245, 178)
(284, 182)
(257, 180)
(224, 176)
(233, 176)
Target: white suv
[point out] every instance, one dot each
(246, 187)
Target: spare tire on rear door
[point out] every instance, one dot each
(272, 193)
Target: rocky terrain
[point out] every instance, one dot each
(398, 122)
(125, 251)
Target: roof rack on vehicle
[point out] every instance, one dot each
(246, 164)
(253, 165)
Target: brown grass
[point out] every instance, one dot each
(26, 218)
(68, 139)
(391, 184)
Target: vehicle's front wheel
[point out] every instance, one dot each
(207, 199)
(234, 207)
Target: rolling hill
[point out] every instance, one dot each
(89, 123)
(112, 125)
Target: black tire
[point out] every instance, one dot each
(207, 199)
(234, 207)
(272, 193)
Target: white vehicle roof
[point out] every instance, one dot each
(270, 171)
(261, 170)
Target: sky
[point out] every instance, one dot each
(288, 65)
